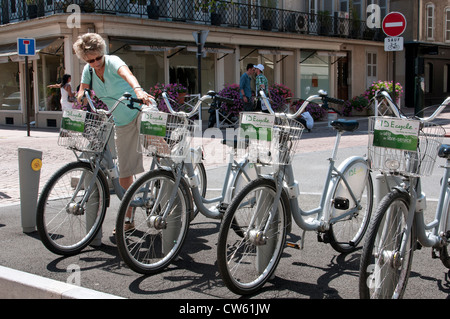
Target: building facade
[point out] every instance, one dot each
(424, 65)
(306, 45)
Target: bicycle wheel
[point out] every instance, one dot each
(200, 170)
(345, 234)
(247, 262)
(154, 242)
(443, 251)
(65, 222)
(383, 272)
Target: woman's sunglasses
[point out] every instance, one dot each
(96, 59)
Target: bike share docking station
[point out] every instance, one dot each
(30, 164)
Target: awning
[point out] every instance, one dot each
(48, 46)
(144, 45)
(275, 52)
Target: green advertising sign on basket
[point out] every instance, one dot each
(154, 123)
(73, 120)
(257, 126)
(393, 133)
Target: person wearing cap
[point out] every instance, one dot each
(245, 88)
(261, 84)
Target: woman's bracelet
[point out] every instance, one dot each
(137, 87)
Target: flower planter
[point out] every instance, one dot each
(363, 112)
(181, 98)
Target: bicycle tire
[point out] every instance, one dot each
(443, 251)
(64, 227)
(346, 234)
(148, 249)
(203, 180)
(383, 274)
(261, 259)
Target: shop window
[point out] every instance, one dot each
(315, 73)
(9, 87)
(447, 78)
(146, 65)
(429, 77)
(50, 71)
(430, 21)
(183, 68)
(447, 24)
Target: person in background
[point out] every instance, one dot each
(307, 120)
(67, 96)
(110, 78)
(246, 89)
(261, 84)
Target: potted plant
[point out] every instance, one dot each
(231, 91)
(324, 22)
(88, 6)
(279, 94)
(32, 9)
(213, 7)
(268, 12)
(357, 106)
(175, 91)
(153, 10)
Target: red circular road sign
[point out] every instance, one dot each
(394, 24)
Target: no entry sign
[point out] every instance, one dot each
(394, 24)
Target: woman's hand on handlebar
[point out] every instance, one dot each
(144, 96)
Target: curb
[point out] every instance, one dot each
(17, 284)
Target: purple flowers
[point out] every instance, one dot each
(95, 100)
(173, 91)
(361, 102)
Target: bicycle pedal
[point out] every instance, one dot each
(292, 245)
(323, 238)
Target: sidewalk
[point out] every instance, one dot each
(53, 156)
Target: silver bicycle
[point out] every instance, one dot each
(253, 232)
(398, 226)
(160, 203)
(73, 203)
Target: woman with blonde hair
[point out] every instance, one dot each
(110, 77)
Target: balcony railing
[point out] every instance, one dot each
(224, 14)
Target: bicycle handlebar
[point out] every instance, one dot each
(383, 94)
(322, 96)
(210, 95)
(125, 97)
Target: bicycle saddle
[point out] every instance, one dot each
(345, 125)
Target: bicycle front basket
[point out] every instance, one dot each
(393, 149)
(165, 135)
(266, 139)
(84, 131)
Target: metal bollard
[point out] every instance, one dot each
(30, 163)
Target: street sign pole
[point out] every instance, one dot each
(27, 95)
(394, 24)
(27, 47)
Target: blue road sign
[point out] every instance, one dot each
(26, 46)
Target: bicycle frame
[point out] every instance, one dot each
(234, 169)
(431, 234)
(104, 160)
(323, 220)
